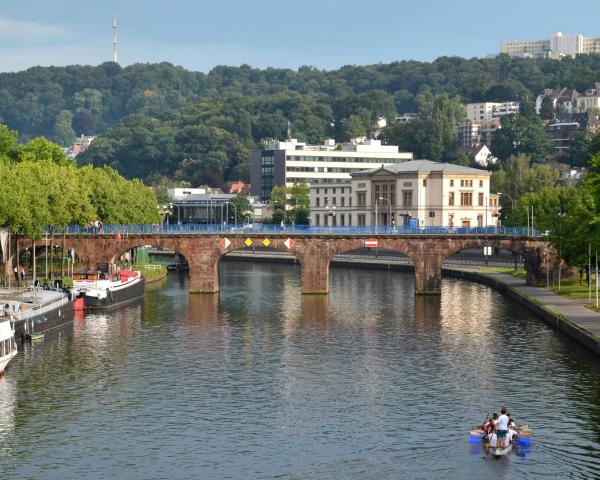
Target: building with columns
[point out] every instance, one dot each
(416, 193)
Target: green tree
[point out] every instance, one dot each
(63, 132)
(241, 210)
(521, 135)
(41, 149)
(547, 108)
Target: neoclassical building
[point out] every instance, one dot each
(417, 193)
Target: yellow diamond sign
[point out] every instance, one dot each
(266, 242)
(248, 242)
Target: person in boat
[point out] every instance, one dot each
(492, 439)
(502, 428)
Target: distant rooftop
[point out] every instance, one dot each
(423, 166)
(361, 144)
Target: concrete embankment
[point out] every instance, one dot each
(569, 316)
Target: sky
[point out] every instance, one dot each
(200, 34)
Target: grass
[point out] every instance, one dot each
(519, 273)
(151, 273)
(570, 288)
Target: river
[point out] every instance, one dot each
(262, 382)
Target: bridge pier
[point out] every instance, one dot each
(204, 274)
(428, 275)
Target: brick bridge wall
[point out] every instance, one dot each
(314, 253)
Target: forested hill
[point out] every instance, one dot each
(156, 117)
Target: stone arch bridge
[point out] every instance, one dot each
(203, 252)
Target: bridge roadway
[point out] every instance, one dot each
(313, 251)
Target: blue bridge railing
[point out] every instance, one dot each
(260, 228)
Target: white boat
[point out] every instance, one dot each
(36, 310)
(102, 291)
(8, 345)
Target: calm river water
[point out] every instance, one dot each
(260, 382)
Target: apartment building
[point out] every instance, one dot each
(557, 46)
(290, 162)
(417, 193)
(485, 112)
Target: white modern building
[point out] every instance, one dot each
(418, 193)
(485, 112)
(291, 162)
(557, 46)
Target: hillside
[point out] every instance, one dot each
(157, 119)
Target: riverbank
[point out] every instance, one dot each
(570, 316)
(152, 273)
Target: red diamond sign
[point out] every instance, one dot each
(371, 242)
(289, 243)
(225, 242)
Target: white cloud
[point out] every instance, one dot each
(22, 30)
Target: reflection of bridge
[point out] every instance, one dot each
(203, 252)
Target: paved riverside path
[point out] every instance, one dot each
(573, 310)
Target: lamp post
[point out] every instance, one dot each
(561, 215)
(330, 212)
(512, 201)
(390, 203)
(234, 212)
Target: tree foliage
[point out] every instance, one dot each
(41, 188)
(158, 119)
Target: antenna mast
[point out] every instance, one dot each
(115, 44)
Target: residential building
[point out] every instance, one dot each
(591, 99)
(239, 188)
(290, 162)
(481, 154)
(563, 129)
(405, 118)
(418, 192)
(80, 145)
(485, 112)
(563, 100)
(469, 134)
(557, 46)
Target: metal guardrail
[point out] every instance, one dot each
(168, 229)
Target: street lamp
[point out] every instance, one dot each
(512, 201)
(561, 215)
(330, 212)
(235, 215)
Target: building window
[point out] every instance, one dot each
(462, 183)
(349, 219)
(317, 219)
(424, 182)
(481, 183)
(343, 201)
(361, 199)
(480, 220)
(451, 183)
(325, 201)
(342, 218)
(407, 199)
(450, 199)
(318, 202)
(333, 200)
(334, 221)
(451, 220)
(481, 199)
(362, 220)
(466, 199)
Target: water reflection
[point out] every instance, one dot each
(262, 382)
